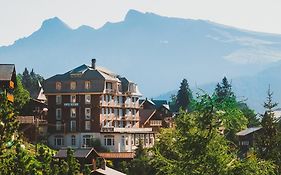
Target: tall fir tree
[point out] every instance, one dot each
(223, 90)
(184, 97)
(73, 164)
(268, 141)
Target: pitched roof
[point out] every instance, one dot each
(78, 153)
(109, 171)
(145, 115)
(6, 71)
(248, 131)
(117, 155)
(160, 103)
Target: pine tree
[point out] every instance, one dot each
(184, 97)
(223, 90)
(268, 141)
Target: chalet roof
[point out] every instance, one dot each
(160, 103)
(248, 131)
(117, 155)
(108, 171)
(78, 153)
(6, 71)
(145, 115)
(85, 72)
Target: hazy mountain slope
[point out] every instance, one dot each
(154, 51)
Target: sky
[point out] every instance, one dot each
(20, 18)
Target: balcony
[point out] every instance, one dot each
(126, 130)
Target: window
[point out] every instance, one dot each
(58, 85)
(88, 99)
(72, 85)
(58, 99)
(87, 84)
(102, 111)
(73, 125)
(72, 112)
(109, 140)
(87, 125)
(58, 113)
(120, 100)
(73, 140)
(87, 140)
(87, 113)
(108, 85)
(120, 112)
(59, 141)
(72, 98)
(58, 125)
(115, 112)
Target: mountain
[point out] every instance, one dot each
(154, 51)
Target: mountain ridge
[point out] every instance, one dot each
(152, 50)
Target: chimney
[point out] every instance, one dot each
(94, 63)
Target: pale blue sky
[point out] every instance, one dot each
(19, 18)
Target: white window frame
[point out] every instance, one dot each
(73, 125)
(61, 141)
(58, 125)
(58, 113)
(58, 86)
(73, 140)
(73, 99)
(87, 84)
(58, 99)
(72, 85)
(87, 99)
(72, 112)
(87, 114)
(109, 140)
(87, 125)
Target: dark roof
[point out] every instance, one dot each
(248, 131)
(117, 155)
(78, 153)
(160, 103)
(145, 114)
(7, 71)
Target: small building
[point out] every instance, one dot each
(246, 139)
(8, 80)
(155, 114)
(88, 157)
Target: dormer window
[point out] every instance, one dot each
(108, 85)
(87, 84)
(73, 85)
(58, 85)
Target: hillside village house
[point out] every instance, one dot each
(8, 80)
(91, 102)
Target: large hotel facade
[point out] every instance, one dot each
(89, 103)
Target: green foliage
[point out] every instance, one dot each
(184, 97)
(196, 147)
(268, 141)
(8, 124)
(253, 166)
(30, 82)
(223, 90)
(72, 162)
(250, 114)
(21, 95)
(141, 165)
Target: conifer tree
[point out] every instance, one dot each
(184, 97)
(223, 90)
(268, 141)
